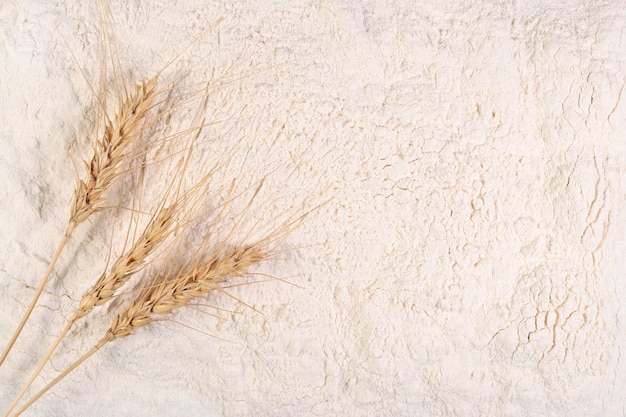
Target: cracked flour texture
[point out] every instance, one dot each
(468, 262)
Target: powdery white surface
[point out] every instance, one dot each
(469, 261)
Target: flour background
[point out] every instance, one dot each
(468, 262)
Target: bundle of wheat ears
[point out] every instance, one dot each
(124, 149)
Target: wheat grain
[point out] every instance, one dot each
(159, 228)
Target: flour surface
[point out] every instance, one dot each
(468, 262)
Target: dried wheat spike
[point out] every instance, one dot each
(110, 151)
(159, 228)
(184, 287)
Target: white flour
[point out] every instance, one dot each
(469, 261)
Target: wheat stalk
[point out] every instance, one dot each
(113, 154)
(166, 294)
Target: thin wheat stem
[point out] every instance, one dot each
(42, 284)
(62, 375)
(42, 363)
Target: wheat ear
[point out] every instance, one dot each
(111, 151)
(166, 294)
(110, 155)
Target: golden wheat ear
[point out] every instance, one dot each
(111, 152)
